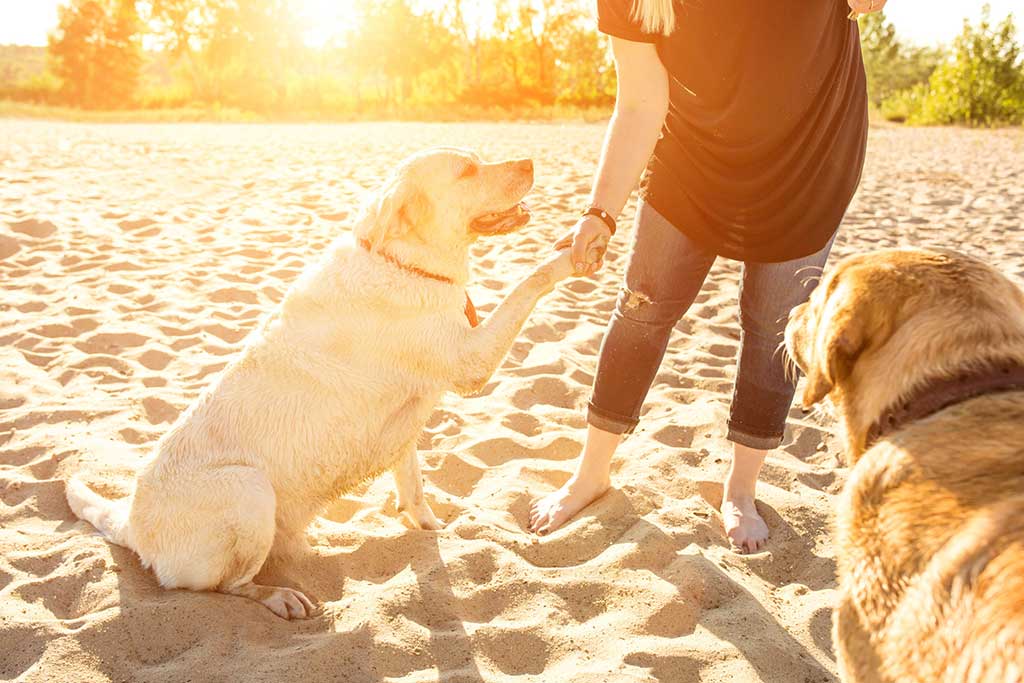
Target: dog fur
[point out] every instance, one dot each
(930, 526)
(333, 388)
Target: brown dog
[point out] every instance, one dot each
(921, 353)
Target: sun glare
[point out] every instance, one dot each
(327, 19)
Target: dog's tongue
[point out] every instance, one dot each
(521, 207)
(503, 221)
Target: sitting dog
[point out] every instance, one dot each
(334, 387)
(921, 353)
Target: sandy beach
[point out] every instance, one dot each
(135, 259)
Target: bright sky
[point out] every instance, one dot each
(925, 22)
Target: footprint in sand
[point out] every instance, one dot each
(159, 410)
(553, 391)
(155, 359)
(234, 295)
(9, 246)
(34, 228)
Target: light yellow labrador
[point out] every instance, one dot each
(334, 387)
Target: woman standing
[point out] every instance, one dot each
(751, 121)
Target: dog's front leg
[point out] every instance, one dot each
(483, 348)
(409, 482)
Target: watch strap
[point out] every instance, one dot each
(603, 215)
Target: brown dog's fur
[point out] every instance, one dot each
(930, 526)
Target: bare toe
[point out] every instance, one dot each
(559, 507)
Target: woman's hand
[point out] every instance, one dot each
(588, 240)
(865, 6)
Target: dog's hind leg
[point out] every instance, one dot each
(230, 516)
(409, 482)
(257, 506)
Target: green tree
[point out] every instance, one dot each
(183, 28)
(252, 48)
(584, 74)
(983, 83)
(539, 52)
(397, 47)
(95, 53)
(891, 65)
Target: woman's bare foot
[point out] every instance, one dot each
(555, 509)
(744, 527)
(589, 483)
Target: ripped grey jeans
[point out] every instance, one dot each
(665, 273)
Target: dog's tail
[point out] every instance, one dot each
(109, 516)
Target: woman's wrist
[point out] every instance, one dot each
(602, 215)
(594, 220)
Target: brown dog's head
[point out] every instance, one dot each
(881, 322)
(437, 202)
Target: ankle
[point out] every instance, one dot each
(741, 482)
(738, 488)
(593, 471)
(583, 481)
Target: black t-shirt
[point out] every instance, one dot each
(764, 142)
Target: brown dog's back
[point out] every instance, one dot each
(931, 538)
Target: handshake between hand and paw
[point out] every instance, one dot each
(587, 243)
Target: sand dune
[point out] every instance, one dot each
(135, 259)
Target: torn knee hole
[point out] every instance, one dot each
(635, 299)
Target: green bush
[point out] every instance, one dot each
(891, 65)
(900, 107)
(42, 88)
(173, 96)
(981, 85)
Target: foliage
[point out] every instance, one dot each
(394, 49)
(20, 62)
(250, 55)
(96, 54)
(398, 61)
(982, 84)
(900, 107)
(891, 65)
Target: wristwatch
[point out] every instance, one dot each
(603, 215)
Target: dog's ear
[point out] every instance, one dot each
(399, 208)
(841, 339)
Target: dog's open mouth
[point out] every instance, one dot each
(501, 222)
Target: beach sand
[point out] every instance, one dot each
(134, 259)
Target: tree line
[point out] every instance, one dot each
(251, 56)
(396, 59)
(979, 80)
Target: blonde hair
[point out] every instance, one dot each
(655, 16)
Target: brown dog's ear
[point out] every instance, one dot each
(835, 353)
(398, 210)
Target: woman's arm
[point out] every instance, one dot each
(641, 104)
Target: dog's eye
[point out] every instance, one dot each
(469, 171)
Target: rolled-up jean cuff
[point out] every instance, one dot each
(760, 442)
(610, 422)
